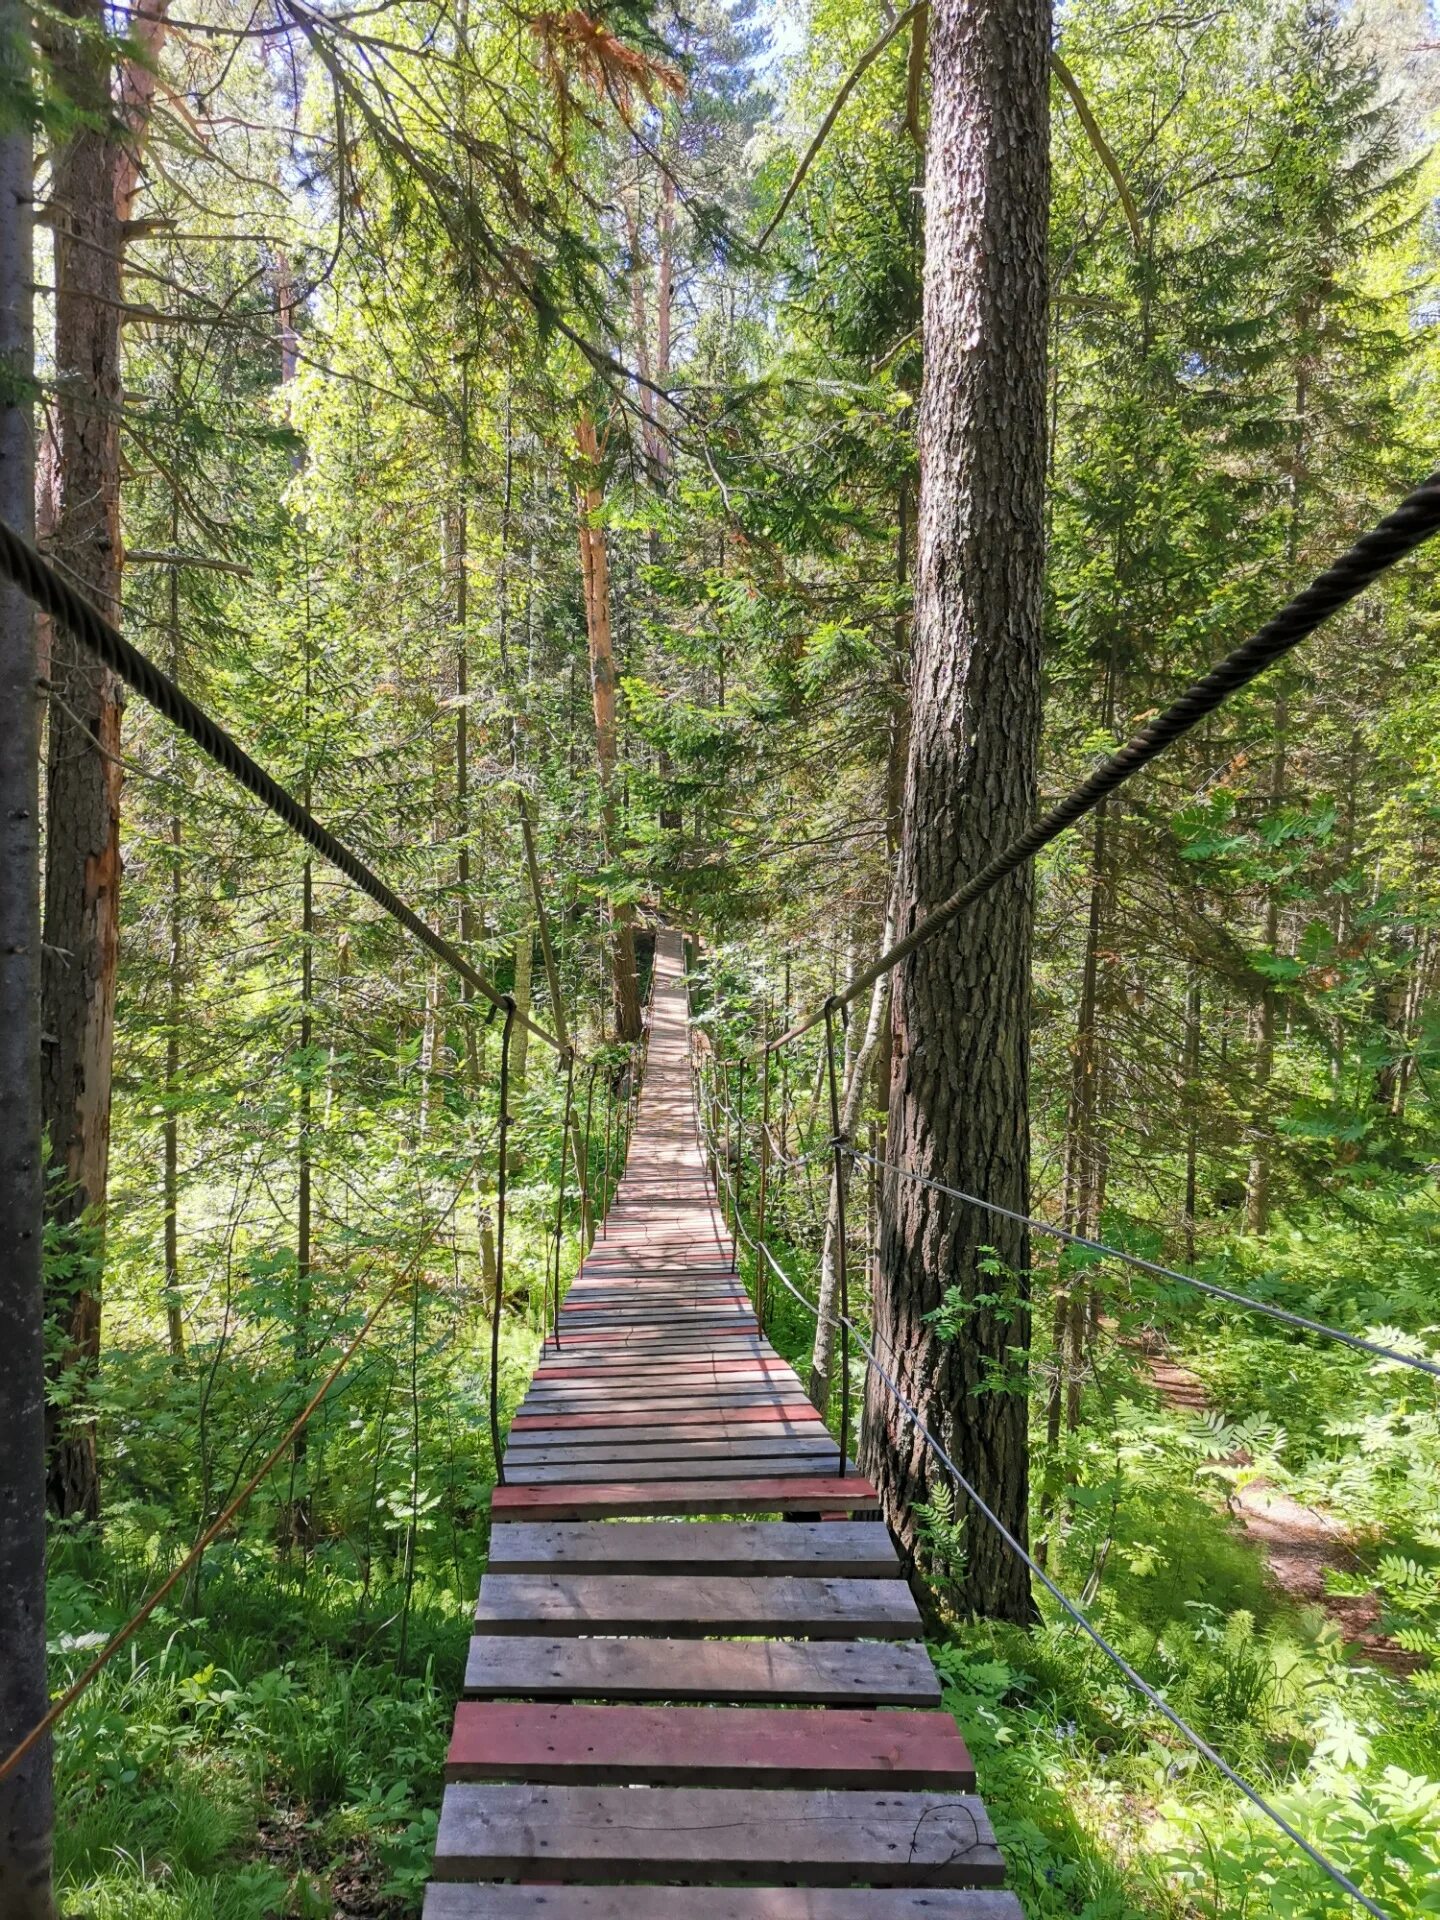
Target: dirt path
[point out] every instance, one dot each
(1300, 1544)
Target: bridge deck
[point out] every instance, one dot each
(727, 1721)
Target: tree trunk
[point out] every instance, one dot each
(26, 1801)
(1257, 1183)
(520, 1038)
(82, 840)
(595, 568)
(962, 1002)
(174, 961)
(857, 1075)
(1083, 1195)
(1190, 1097)
(174, 989)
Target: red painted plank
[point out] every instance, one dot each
(621, 1499)
(707, 1746)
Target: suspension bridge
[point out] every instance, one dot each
(740, 1643)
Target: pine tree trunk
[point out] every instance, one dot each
(857, 1075)
(26, 1799)
(1257, 1183)
(520, 1038)
(595, 568)
(82, 840)
(959, 1089)
(1190, 1097)
(174, 992)
(174, 1318)
(1085, 1158)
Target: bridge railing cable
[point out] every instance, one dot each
(1337, 1876)
(1412, 523)
(1301, 1321)
(39, 581)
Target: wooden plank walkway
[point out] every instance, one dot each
(734, 1720)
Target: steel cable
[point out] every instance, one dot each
(1412, 523)
(1282, 1314)
(39, 581)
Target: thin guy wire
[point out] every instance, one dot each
(1082, 1620)
(1154, 1267)
(1412, 523)
(38, 580)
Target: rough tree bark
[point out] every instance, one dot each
(26, 1802)
(82, 843)
(595, 569)
(961, 1004)
(96, 175)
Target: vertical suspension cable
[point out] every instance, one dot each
(762, 1277)
(560, 1190)
(726, 1106)
(499, 1299)
(739, 1134)
(587, 1197)
(837, 1146)
(605, 1164)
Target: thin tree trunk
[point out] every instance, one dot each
(174, 961)
(857, 1075)
(1083, 1186)
(26, 1798)
(520, 1038)
(1257, 1183)
(595, 568)
(962, 1002)
(174, 989)
(1190, 1095)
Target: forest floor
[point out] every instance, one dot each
(1299, 1544)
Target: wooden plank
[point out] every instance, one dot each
(682, 1606)
(834, 1550)
(707, 1404)
(809, 1450)
(819, 1838)
(707, 1746)
(689, 1465)
(574, 1373)
(791, 1413)
(626, 1500)
(728, 1359)
(711, 1429)
(462, 1900)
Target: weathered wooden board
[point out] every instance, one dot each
(461, 1900)
(781, 1672)
(680, 1606)
(669, 1746)
(833, 1549)
(809, 1451)
(659, 1406)
(819, 1838)
(797, 1414)
(627, 1500)
(695, 1460)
